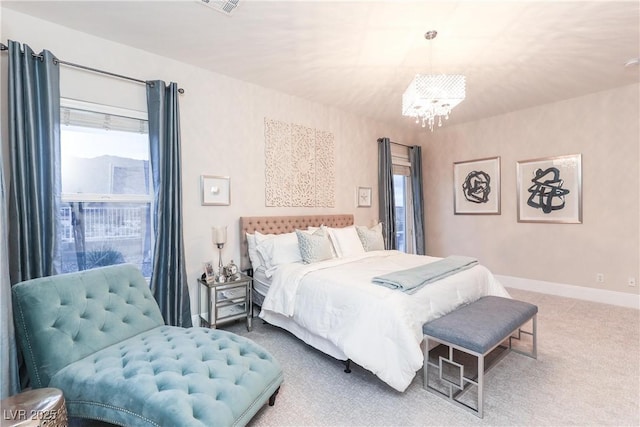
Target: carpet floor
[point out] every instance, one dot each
(587, 374)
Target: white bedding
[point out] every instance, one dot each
(334, 306)
(261, 282)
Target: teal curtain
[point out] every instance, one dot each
(34, 147)
(34, 140)
(169, 278)
(386, 203)
(9, 355)
(415, 157)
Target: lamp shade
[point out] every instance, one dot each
(219, 235)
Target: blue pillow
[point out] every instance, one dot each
(314, 247)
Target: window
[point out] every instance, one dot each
(106, 187)
(402, 192)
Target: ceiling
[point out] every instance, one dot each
(360, 56)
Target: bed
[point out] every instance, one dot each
(332, 304)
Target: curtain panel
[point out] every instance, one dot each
(34, 201)
(415, 157)
(169, 278)
(9, 355)
(385, 193)
(34, 141)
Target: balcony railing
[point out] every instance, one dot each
(105, 223)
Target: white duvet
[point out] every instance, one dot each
(376, 327)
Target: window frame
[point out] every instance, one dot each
(110, 198)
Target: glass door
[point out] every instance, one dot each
(405, 240)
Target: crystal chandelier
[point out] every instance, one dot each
(431, 97)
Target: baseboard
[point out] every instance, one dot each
(604, 296)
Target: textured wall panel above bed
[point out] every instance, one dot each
(299, 165)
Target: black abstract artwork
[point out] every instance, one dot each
(547, 192)
(477, 186)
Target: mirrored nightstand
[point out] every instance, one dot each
(222, 302)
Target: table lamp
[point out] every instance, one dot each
(219, 237)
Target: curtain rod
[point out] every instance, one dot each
(4, 47)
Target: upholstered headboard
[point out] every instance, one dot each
(284, 224)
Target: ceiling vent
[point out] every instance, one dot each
(223, 6)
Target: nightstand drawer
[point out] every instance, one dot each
(238, 309)
(233, 293)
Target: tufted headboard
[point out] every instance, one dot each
(284, 224)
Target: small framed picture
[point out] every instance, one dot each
(364, 197)
(209, 272)
(550, 189)
(476, 187)
(215, 190)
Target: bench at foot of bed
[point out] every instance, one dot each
(473, 331)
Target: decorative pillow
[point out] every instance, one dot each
(325, 229)
(314, 247)
(371, 238)
(346, 241)
(278, 249)
(254, 256)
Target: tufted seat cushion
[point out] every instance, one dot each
(98, 335)
(172, 376)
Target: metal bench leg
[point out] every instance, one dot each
(480, 385)
(425, 365)
(453, 388)
(534, 335)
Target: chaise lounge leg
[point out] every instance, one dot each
(272, 399)
(347, 368)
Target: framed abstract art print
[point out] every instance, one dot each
(550, 189)
(476, 187)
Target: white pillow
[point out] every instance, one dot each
(259, 238)
(371, 238)
(346, 241)
(278, 249)
(262, 237)
(254, 256)
(314, 247)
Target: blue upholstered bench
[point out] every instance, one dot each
(99, 336)
(475, 329)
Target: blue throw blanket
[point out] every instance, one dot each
(412, 279)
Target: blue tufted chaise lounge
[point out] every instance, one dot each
(99, 336)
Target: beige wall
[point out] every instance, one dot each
(222, 133)
(222, 127)
(604, 128)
